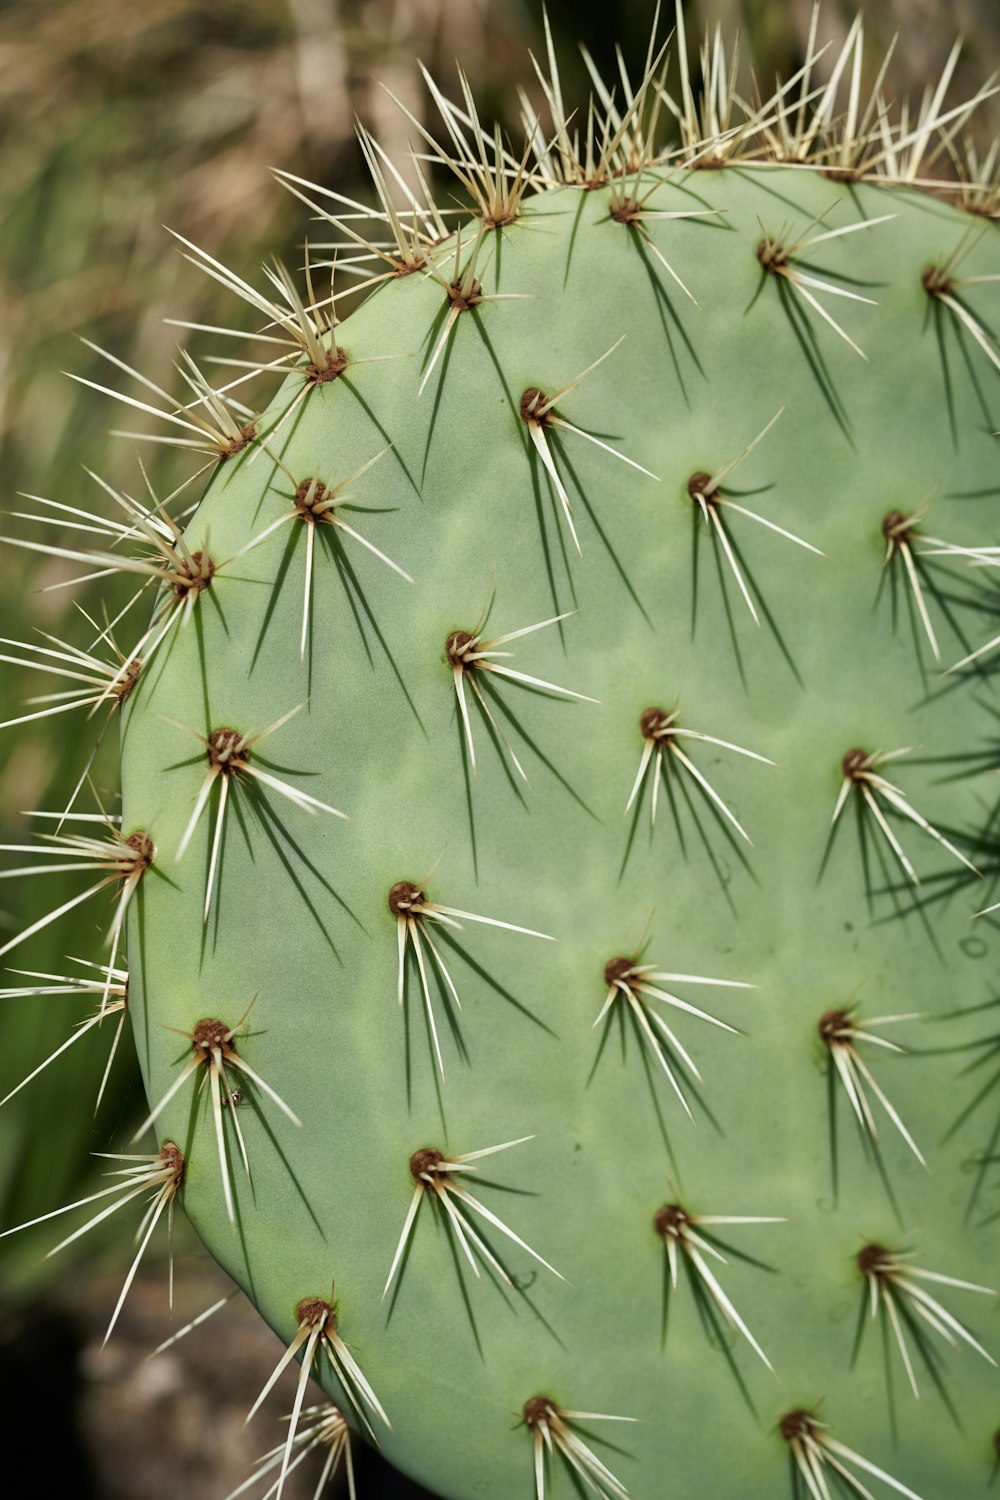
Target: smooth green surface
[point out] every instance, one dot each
(687, 390)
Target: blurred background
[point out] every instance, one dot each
(117, 118)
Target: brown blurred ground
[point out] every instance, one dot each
(115, 1424)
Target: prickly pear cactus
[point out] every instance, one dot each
(557, 816)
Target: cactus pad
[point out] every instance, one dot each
(561, 738)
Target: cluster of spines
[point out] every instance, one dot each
(619, 146)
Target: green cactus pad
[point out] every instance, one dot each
(493, 619)
(652, 616)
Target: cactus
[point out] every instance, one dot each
(557, 844)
